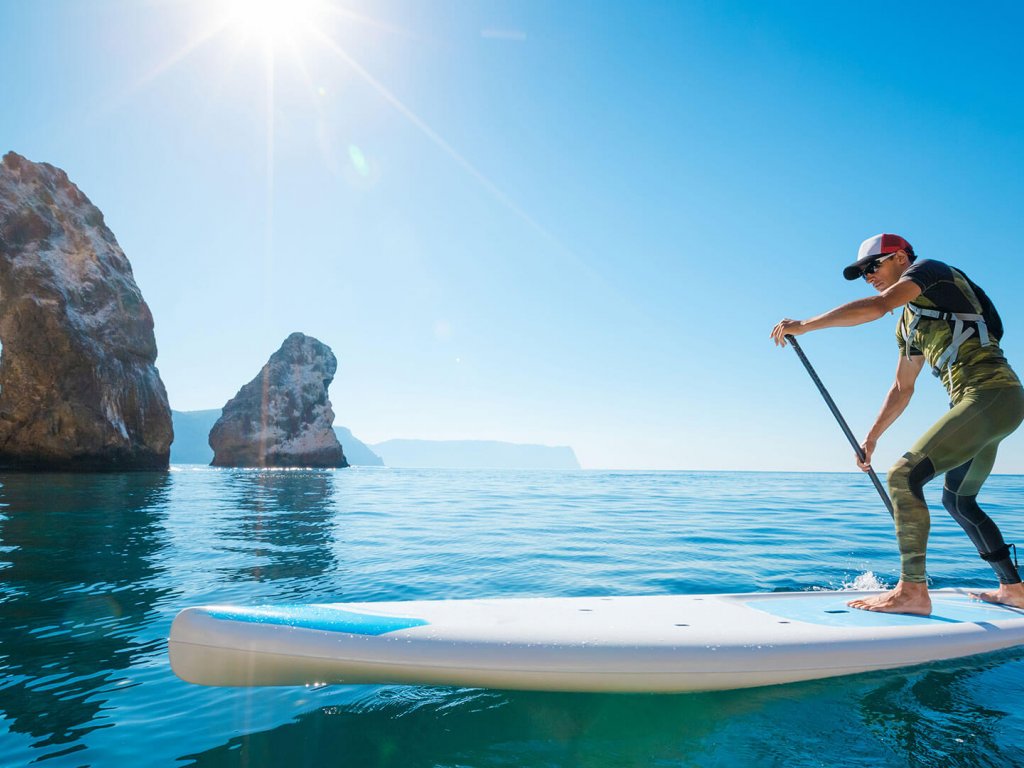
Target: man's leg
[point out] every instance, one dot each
(907, 479)
(960, 435)
(959, 497)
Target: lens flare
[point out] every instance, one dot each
(358, 160)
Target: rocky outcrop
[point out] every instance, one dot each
(283, 417)
(192, 432)
(78, 386)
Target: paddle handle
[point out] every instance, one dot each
(842, 422)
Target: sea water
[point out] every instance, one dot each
(93, 569)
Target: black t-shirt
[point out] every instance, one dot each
(945, 289)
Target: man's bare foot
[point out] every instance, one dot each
(907, 597)
(1007, 594)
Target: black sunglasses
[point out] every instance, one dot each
(871, 268)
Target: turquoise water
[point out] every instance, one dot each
(94, 568)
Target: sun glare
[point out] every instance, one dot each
(272, 21)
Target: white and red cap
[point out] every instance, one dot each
(874, 247)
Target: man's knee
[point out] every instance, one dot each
(910, 474)
(951, 502)
(962, 508)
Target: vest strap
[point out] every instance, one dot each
(961, 332)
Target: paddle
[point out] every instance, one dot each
(842, 422)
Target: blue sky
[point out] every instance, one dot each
(565, 223)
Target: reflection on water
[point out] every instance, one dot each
(413, 727)
(78, 590)
(925, 718)
(94, 568)
(281, 524)
(944, 717)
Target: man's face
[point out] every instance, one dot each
(884, 272)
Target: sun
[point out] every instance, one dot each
(272, 22)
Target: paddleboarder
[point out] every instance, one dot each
(948, 322)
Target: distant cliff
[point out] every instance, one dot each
(356, 451)
(474, 454)
(191, 436)
(192, 430)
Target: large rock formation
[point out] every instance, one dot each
(192, 433)
(283, 417)
(78, 386)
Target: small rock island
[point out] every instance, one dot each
(283, 417)
(79, 388)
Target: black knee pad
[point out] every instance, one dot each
(923, 472)
(913, 471)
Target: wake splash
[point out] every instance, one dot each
(863, 582)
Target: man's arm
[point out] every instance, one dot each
(855, 313)
(896, 401)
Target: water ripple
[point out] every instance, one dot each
(94, 569)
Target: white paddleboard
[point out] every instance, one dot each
(627, 644)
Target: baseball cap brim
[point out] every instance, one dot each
(875, 248)
(856, 269)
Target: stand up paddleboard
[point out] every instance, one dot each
(624, 644)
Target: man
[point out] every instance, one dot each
(948, 322)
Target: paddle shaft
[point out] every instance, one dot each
(842, 422)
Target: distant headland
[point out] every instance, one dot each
(192, 428)
(474, 454)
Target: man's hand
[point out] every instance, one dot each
(868, 446)
(786, 327)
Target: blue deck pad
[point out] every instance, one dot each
(831, 610)
(320, 617)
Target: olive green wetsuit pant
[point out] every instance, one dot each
(963, 445)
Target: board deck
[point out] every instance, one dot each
(666, 643)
